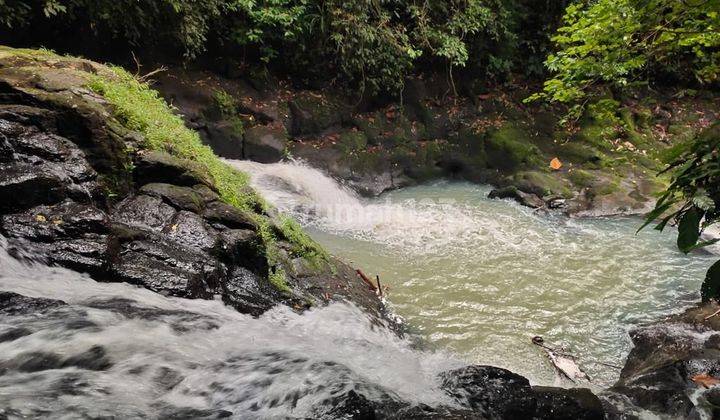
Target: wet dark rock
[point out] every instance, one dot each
(94, 358)
(181, 321)
(490, 390)
(191, 230)
(182, 198)
(248, 293)
(224, 137)
(265, 144)
(161, 167)
(167, 268)
(498, 393)
(229, 216)
(526, 199)
(570, 404)
(23, 185)
(144, 212)
(48, 223)
(13, 334)
(242, 247)
(16, 304)
(657, 375)
(351, 406)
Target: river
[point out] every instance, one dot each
(481, 277)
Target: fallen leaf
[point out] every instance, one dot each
(40, 218)
(555, 164)
(705, 380)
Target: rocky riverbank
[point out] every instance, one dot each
(609, 158)
(88, 184)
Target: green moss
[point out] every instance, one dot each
(608, 188)
(542, 183)
(303, 246)
(510, 147)
(352, 142)
(278, 279)
(140, 108)
(581, 178)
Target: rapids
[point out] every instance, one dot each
(480, 277)
(121, 351)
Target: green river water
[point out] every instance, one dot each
(480, 277)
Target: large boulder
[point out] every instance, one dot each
(265, 144)
(312, 113)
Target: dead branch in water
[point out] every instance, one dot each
(379, 286)
(712, 315)
(366, 280)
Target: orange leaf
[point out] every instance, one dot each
(705, 380)
(555, 164)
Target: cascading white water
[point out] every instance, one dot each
(163, 356)
(481, 276)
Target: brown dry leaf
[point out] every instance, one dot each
(555, 164)
(705, 380)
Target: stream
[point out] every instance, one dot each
(481, 277)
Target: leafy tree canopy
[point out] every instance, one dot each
(615, 42)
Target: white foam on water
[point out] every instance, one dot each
(168, 353)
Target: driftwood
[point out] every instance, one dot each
(379, 286)
(564, 363)
(366, 280)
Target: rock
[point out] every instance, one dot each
(14, 304)
(144, 212)
(657, 375)
(526, 199)
(311, 114)
(167, 268)
(189, 229)
(161, 167)
(32, 362)
(498, 393)
(25, 185)
(229, 216)
(248, 293)
(48, 223)
(265, 144)
(182, 198)
(225, 138)
(242, 248)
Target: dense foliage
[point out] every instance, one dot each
(367, 44)
(693, 201)
(616, 42)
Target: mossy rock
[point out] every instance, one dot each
(510, 148)
(352, 142)
(581, 153)
(581, 178)
(542, 184)
(312, 113)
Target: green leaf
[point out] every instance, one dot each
(654, 214)
(711, 286)
(689, 230)
(703, 244)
